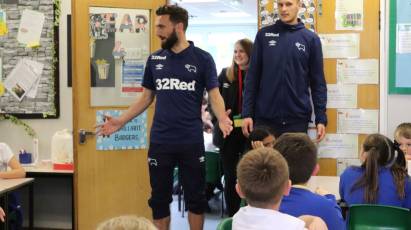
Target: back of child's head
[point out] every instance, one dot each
(262, 176)
(300, 153)
(380, 152)
(129, 222)
(259, 133)
(403, 130)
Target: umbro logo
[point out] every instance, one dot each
(300, 46)
(191, 68)
(275, 35)
(159, 66)
(156, 57)
(272, 43)
(226, 85)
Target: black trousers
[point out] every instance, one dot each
(232, 149)
(279, 128)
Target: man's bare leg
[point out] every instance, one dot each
(163, 223)
(195, 221)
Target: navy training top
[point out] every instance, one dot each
(286, 63)
(178, 81)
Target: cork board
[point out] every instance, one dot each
(40, 98)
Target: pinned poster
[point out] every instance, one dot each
(357, 71)
(338, 146)
(344, 163)
(340, 45)
(30, 28)
(341, 96)
(349, 14)
(359, 121)
(403, 38)
(132, 135)
(3, 23)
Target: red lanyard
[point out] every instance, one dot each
(240, 90)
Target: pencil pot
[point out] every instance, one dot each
(25, 158)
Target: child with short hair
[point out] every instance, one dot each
(261, 136)
(402, 137)
(127, 222)
(263, 180)
(301, 155)
(381, 179)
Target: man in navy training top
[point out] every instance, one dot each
(176, 75)
(286, 63)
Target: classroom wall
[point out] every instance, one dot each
(398, 111)
(15, 136)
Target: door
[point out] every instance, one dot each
(107, 183)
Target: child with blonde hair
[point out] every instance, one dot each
(129, 222)
(402, 137)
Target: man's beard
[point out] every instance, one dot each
(170, 41)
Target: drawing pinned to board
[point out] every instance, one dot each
(140, 23)
(3, 23)
(349, 14)
(126, 23)
(31, 26)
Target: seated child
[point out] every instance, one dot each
(402, 137)
(261, 136)
(301, 155)
(7, 159)
(129, 222)
(263, 180)
(381, 179)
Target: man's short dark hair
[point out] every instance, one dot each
(300, 153)
(177, 14)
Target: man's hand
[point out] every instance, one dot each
(111, 125)
(247, 126)
(226, 124)
(320, 132)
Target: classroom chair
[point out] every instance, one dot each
(378, 217)
(213, 172)
(225, 224)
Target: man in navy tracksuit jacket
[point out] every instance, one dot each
(286, 63)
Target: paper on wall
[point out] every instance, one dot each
(358, 121)
(340, 45)
(31, 25)
(341, 96)
(357, 71)
(403, 38)
(349, 14)
(37, 68)
(22, 78)
(342, 164)
(338, 146)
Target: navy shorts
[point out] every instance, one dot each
(162, 159)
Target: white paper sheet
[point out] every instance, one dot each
(340, 45)
(21, 79)
(349, 14)
(357, 71)
(360, 121)
(31, 25)
(339, 146)
(342, 164)
(37, 68)
(341, 96)
(403, 38)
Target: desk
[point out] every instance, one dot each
(48, 174)
(10, 185)
(329, 183)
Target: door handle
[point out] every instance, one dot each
(83, 134)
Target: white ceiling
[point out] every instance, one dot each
(220, 11)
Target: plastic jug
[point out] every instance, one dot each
(62, 150)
